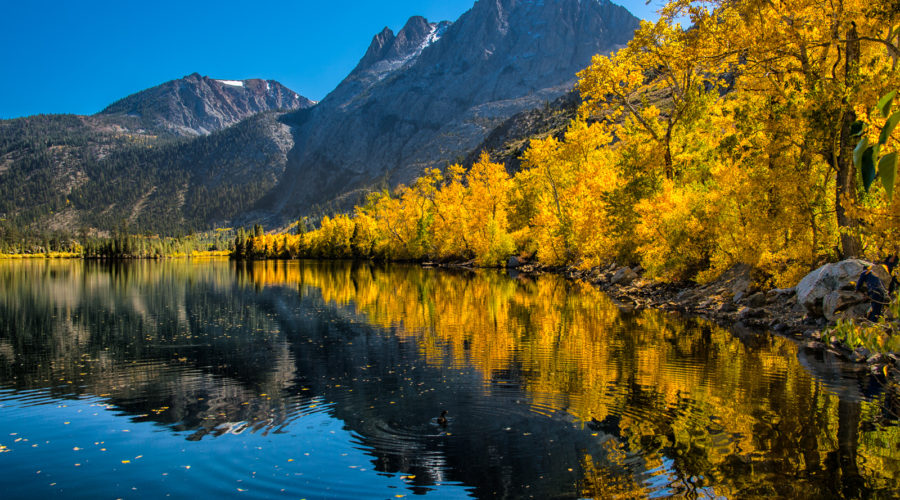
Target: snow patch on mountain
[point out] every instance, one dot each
(384, 68)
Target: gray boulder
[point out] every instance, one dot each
(758, 299)
(514, 262)
(624, 276)
(844, 304)
(839, 276)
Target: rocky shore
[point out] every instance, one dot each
(804, 312)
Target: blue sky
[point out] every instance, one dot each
(65, 56)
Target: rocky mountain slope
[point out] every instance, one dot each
(187, 154)
(508, 141)
(431, 93)
(199, 105)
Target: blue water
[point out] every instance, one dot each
(325, 380)
(84, 448)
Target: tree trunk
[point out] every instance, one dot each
(670, 169)
(845, 188)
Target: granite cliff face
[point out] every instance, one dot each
(199, 105)
(431, 93)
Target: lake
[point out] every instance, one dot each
(327, 380)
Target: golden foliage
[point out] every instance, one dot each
(693, 150)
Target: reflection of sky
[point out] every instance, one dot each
(661, 478)
(60, 451)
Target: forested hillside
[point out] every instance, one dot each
(190, 154)
(75, 177)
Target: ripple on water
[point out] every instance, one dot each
(33, 397)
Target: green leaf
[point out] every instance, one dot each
(884, 105)
(868, 167)
(887, 170)
(859, 150)
(857, 128)
(888, 128)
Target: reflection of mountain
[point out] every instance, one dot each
(149, 339)
(520, 364)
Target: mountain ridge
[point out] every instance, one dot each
(200, 105)
(154, 172)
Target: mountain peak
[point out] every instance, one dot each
(388, 51)
(416, 27)
(431, 92)
(380, 44)
(199, 105)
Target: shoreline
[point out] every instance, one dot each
(212, 254)
(731, 301)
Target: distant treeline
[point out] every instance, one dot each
(120, 245)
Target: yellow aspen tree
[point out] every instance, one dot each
(817, 64)
(487, 200)
(451, 237)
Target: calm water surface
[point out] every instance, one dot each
(325, 380)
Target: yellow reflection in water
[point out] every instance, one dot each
(736, 413)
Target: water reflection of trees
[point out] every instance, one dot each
(209, 349)
(169, 343)
(737, 412)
